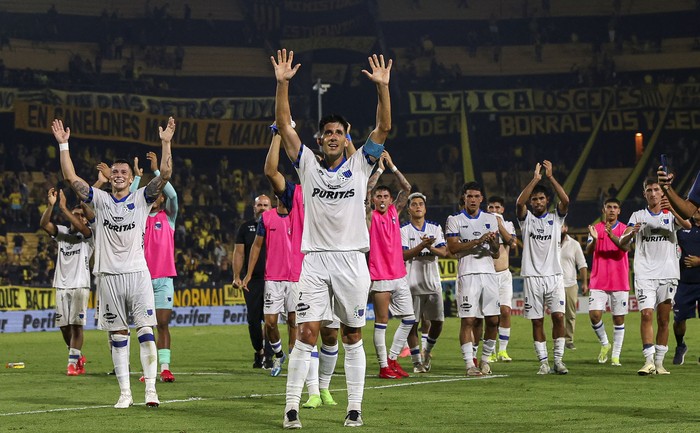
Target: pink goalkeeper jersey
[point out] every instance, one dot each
(385, 249)
(159, 246)
(278, 240)
(610, 265)
(296, 216)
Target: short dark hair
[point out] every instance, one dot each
(123, 161)
(540, 189)
(382, 188)
(612, 200)
(332, 118)
(474, 186)
(649, 181)
(497, 199)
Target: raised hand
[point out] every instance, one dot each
(52, 197)
(593, 232)
(381, 70)
(283, 65)
(61, 199)
(151, 156)
(387, 159)
(61, 135)
(537, 175)
(103, 172)
(380, 162)
(548, 171)
(167, 133)
(137, 170)
(663, 177)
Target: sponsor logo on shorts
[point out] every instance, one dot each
(109, 317)
(528, 307)
(302, 307)
(58, 316)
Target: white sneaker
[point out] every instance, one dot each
(485, 368)
(474, 372)
(427, 361)
(418, 368)
(661, 370)
(291, 420)
(353, 419)
(560, 368)
(647, 370)
(125, 401)
(152, 398)
(544, 368)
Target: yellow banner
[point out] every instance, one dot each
(448, 269)
(27, 298)
(122, 125)
(208, 297)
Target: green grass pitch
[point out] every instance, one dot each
(216, 390)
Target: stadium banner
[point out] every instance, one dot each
(7, 99)
(222, 108)
(448, 269)
(45, 320)
(22, 298)
(518, 305)
(537, 112)
(122, 125)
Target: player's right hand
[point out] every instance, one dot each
(593, 232)
(52, 197)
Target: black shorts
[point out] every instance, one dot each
(686, 301)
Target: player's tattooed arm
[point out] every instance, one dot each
(166, 162)
(402, 196)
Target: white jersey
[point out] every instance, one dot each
(118, 230)
(656, 255)
(541, 244)
(73, 261)
(468, 228)
(334, 203)
(422, 271)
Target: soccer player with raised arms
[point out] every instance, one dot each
(541, 266)
(334, 276)
(123, 281)
(71, 276)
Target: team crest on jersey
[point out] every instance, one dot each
(488, 226)
(550, 222)
(149, 312)
(666, 221)
(130, 206)
(158, 225)
(347, 174)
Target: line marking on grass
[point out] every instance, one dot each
(242, 397)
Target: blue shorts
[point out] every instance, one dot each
(163, 291)
(686, 301)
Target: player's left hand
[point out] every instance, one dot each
(151, 156)
(61, 199)
(137, 171)
(664, 178)
(548, 169)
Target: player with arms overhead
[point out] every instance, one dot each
(123, 281)
(335, 237)
(541, 266)
(71, 276)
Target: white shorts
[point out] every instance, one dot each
(401, 304)
(122, 295)
(505, 288)
(618, 301)
(543, 291)
(335, 324)
(333, 284)
(429, 307)
(279, 297)
(651, 293)
(477, 296)
(71, 306)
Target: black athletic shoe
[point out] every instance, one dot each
(267, 363)
(258, 361)
(353, 419)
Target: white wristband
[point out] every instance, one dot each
(394, 169)
(380, 171)
(63, 146)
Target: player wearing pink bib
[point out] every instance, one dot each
(276, 231)
(609, 279)
(159, 249)
(390, 291)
